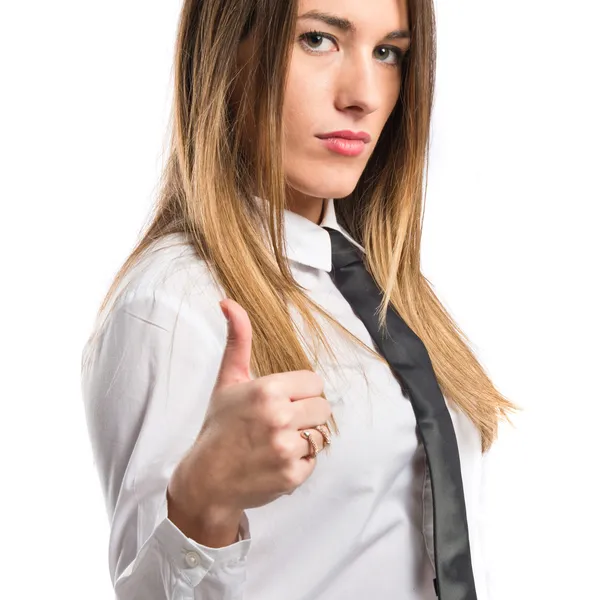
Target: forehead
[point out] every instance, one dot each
(365, 14)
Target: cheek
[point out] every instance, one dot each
(394, 98)
(391, 96)
(295, 116)
(305, 97)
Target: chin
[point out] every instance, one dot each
(326, 185)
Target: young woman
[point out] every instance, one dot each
(225, 358)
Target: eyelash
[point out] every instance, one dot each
(400, 54)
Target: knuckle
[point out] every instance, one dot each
(283, 448)
(277, 419)
(262, 397)
(266, 391)
(291, 478)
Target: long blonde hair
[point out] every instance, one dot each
(209, 184)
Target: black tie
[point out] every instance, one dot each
(411, 365)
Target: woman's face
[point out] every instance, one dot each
(345, 76)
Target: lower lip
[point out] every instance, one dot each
(343, 146)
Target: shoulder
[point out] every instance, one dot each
(170, 273)
(168, 288)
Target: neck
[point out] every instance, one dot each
(308, 207)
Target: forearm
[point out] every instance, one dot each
(200, 519)
(213, 527)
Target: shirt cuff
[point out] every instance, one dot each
(191, 557)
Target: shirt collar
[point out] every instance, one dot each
(308, 243)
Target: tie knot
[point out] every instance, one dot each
(343, 251)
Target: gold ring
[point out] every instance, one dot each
(314, 448)
(325, 432)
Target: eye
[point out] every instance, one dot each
(312, 41)
(397, 55)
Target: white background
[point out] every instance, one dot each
(510, 244)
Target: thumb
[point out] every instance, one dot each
(235, 364)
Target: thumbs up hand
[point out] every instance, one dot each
(249, 450)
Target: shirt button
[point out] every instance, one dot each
(192, 559)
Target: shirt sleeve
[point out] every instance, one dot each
(147, 376)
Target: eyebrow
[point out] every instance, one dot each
(346, 25)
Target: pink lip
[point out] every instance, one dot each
(346, 135)
(345, 142)
(344, 147)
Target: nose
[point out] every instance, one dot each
(358, 87)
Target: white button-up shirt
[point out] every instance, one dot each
(361, 526)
